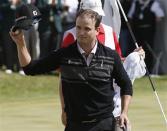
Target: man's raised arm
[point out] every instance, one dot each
(23, 54)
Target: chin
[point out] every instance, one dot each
(82, 41)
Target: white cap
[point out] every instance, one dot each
(94, 5)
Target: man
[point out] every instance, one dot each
(87, 72)
(107, 37)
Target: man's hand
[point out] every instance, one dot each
(123, 120)
(17, 36)
(140, 51)
(126, 125)
(23, 54)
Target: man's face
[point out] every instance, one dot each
(85, 30)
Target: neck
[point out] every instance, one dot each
(88, 47)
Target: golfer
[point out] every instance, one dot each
(87, 72)
(107, 37)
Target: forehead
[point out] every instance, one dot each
(85, 20)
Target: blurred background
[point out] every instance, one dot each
(31, 103)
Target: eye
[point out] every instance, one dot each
(78, 27)
(87, 29)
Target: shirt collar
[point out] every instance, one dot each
(82, 51)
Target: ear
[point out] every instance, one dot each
(97, 30)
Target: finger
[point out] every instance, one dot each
(15, 31)
(64, 118)
(12, 28)
(137, 49)
(64, 122)
(126, 122)
(122, 123)
(11, 35)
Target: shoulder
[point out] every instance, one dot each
(69, 37)
(71, 31)
(104, 26)
(107, 30)
(107, 50)
(69, 49)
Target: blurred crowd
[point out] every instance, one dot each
(144, 16)
(59, 16)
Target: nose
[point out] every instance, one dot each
(81, 32)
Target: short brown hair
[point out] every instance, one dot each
(94, 15)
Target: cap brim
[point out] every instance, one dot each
(24, 24)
